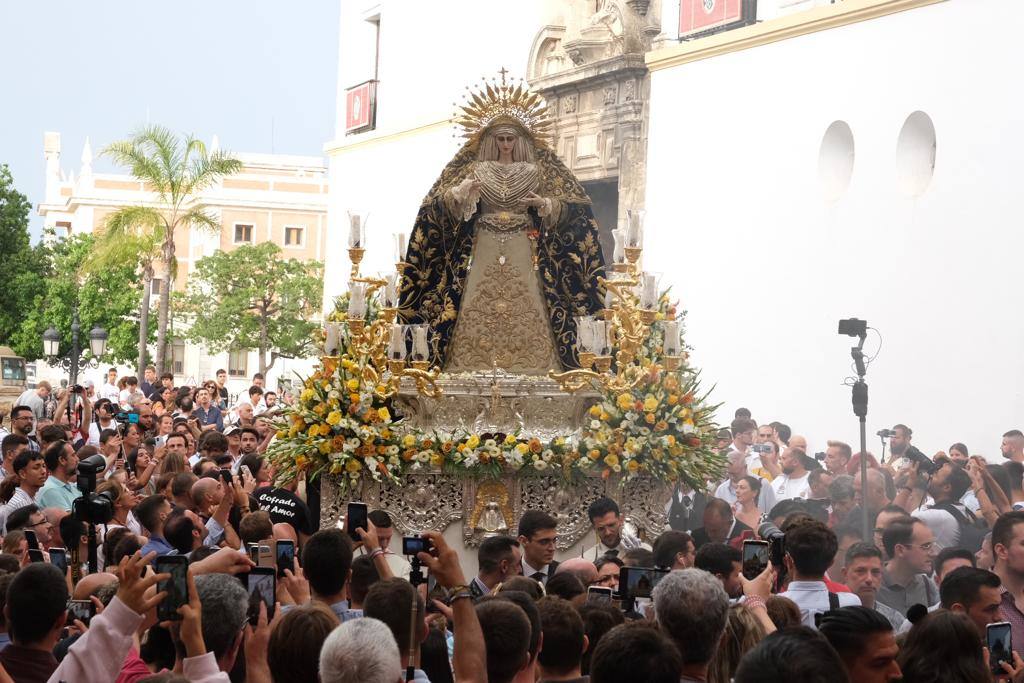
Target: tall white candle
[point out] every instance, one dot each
(635, 230)
(420, 349)
(355, 231)
(396, 347)
(391, 291)
(357, 300)
(619, 255)
(672, 345)
(399, 247)
(649, 293)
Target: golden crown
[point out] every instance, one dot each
(495, 101)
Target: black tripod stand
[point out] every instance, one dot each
(859, 328)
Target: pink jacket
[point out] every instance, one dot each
(98, 655)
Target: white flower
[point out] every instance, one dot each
(393, 461)
(514, 458)
(353, 442)
(595, 424)
(490, 443)
(471, 458)
(645, 431)
(688, 428)
(423, 456)
(371, 463)
(539, 465)
(547, 454)
(630, 416)
(335, 394)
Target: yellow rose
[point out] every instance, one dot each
(334, 418)
(324, 447)
(632, 465)
(593, 454)
(671, 440)
(523, 448)
(650, 403)
(353, 465)
(383, 414)
(649, 418)
(673, 399)
(408, 440)
(306, 395)
(436, 459)
(510, 439)
(352, 384)
(473, 441)
(319, 409)
(595, 410)
(611, 460)
(385, 433)
(624, 401)
(281, 433)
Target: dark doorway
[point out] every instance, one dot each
(605, 197)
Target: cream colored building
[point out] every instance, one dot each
(830, 160)
(274, 198)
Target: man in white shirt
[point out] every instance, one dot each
(31, 470)
(36, 399)
(793, 482)
(736, 469)
(104, 410)
(109, 390)
(810, 548)
(607, 523)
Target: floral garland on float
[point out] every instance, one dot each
(343, 421)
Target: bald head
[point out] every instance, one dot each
(797, 441)
(283, 531)
(875, 490)
(581, 567)
(90, 583)
(205, 492)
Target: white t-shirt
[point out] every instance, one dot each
(108, 391)
(812, 598)
(787, 487)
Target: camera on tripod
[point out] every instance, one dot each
(92, 507)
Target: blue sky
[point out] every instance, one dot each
(237, 69)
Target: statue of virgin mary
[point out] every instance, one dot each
(504, 254)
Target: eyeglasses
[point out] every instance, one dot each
(40, 523)
(23, 417)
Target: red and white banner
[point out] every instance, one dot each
(697, 17)
(359, 105)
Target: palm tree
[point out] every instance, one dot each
(177, 171)
(126, 236)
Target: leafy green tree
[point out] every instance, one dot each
(177, 170)
(21, 265)
(251, 298)
(107, 297)
(120, 243)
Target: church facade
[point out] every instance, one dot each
(801, 161)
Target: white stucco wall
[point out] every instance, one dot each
(738, 223)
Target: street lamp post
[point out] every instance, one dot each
(73, 361)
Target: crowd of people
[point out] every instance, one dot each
(147, 538)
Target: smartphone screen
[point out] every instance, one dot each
(285, 556)
(601, 595)
(176, 586)
(225, 474)
(755, 558)
(356, 518)
(36, 555)
(83, 610)
(59, 559)
(1000, 646)
(30, 537)
(639, 582)
(264, 557)
(261, 584)
(411, 545)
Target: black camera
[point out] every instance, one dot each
(411, 545)
(78, 389)
(776, 549)
(92, 507)
(853, 327)
(925, 465)
(820, 456)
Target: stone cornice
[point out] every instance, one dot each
(783, 28)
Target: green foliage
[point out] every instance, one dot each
(108, 297)
(251, 298)
(20, 265)
(177, 169)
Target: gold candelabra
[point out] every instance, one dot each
(383, 370)
(626, 326)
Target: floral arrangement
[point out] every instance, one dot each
(342, 424)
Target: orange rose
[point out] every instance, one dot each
(446, 447)
(535, 446)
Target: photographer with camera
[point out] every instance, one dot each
(951, 523)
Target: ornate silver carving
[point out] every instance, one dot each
(566, 503)
(642, 502)
(611, 94)
(569, 104)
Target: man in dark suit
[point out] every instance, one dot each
(686, 508)
(719, 525)
(537, 537)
